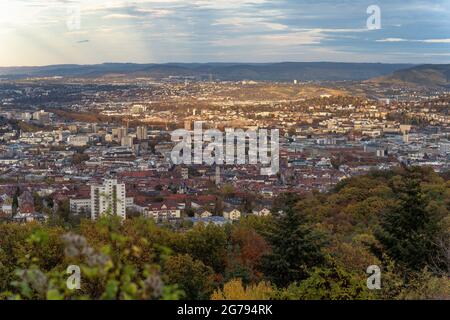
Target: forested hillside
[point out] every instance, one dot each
(316, 246)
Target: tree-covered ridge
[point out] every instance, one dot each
(315, 246)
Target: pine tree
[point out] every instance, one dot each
(408, 230)
(296, 248)
(15, 202)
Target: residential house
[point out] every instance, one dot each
(202, 213)
(26, 203)
(162, 211)
(261, 212)
(231, 214)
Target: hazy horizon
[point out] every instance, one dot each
(209, 62)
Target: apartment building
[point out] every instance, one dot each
(108, 198)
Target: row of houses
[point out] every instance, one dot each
(165, 210)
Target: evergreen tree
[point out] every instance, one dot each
(15, 201)
(296, 248)
(63, 210)
(408, 229)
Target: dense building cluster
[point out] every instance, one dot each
(61, 140)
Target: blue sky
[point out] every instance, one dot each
(41, 32)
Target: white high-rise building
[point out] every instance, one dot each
(109, 198)
(127, 141)
(119, 133)
(142, 133)
(405, 129)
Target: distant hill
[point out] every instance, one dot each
(285, 71)
(437, 75)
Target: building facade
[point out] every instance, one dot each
(108, 198)
(142, 132)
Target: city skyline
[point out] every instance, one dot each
(152, 31)
(263, 151)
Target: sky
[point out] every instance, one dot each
(44, 32)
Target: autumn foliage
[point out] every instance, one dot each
(313, 246)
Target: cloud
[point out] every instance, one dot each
(241, 23)
(414, 40)
(120, 16)
(391, 40)
(435, 40)
(225, 4)
(294, 37)
(203, 30)
(155, 12)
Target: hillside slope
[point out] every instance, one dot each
(424, 75)
(285, 71)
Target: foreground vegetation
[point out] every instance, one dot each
(316, 246)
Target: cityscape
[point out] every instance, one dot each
(123, 133)
(227, 180)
